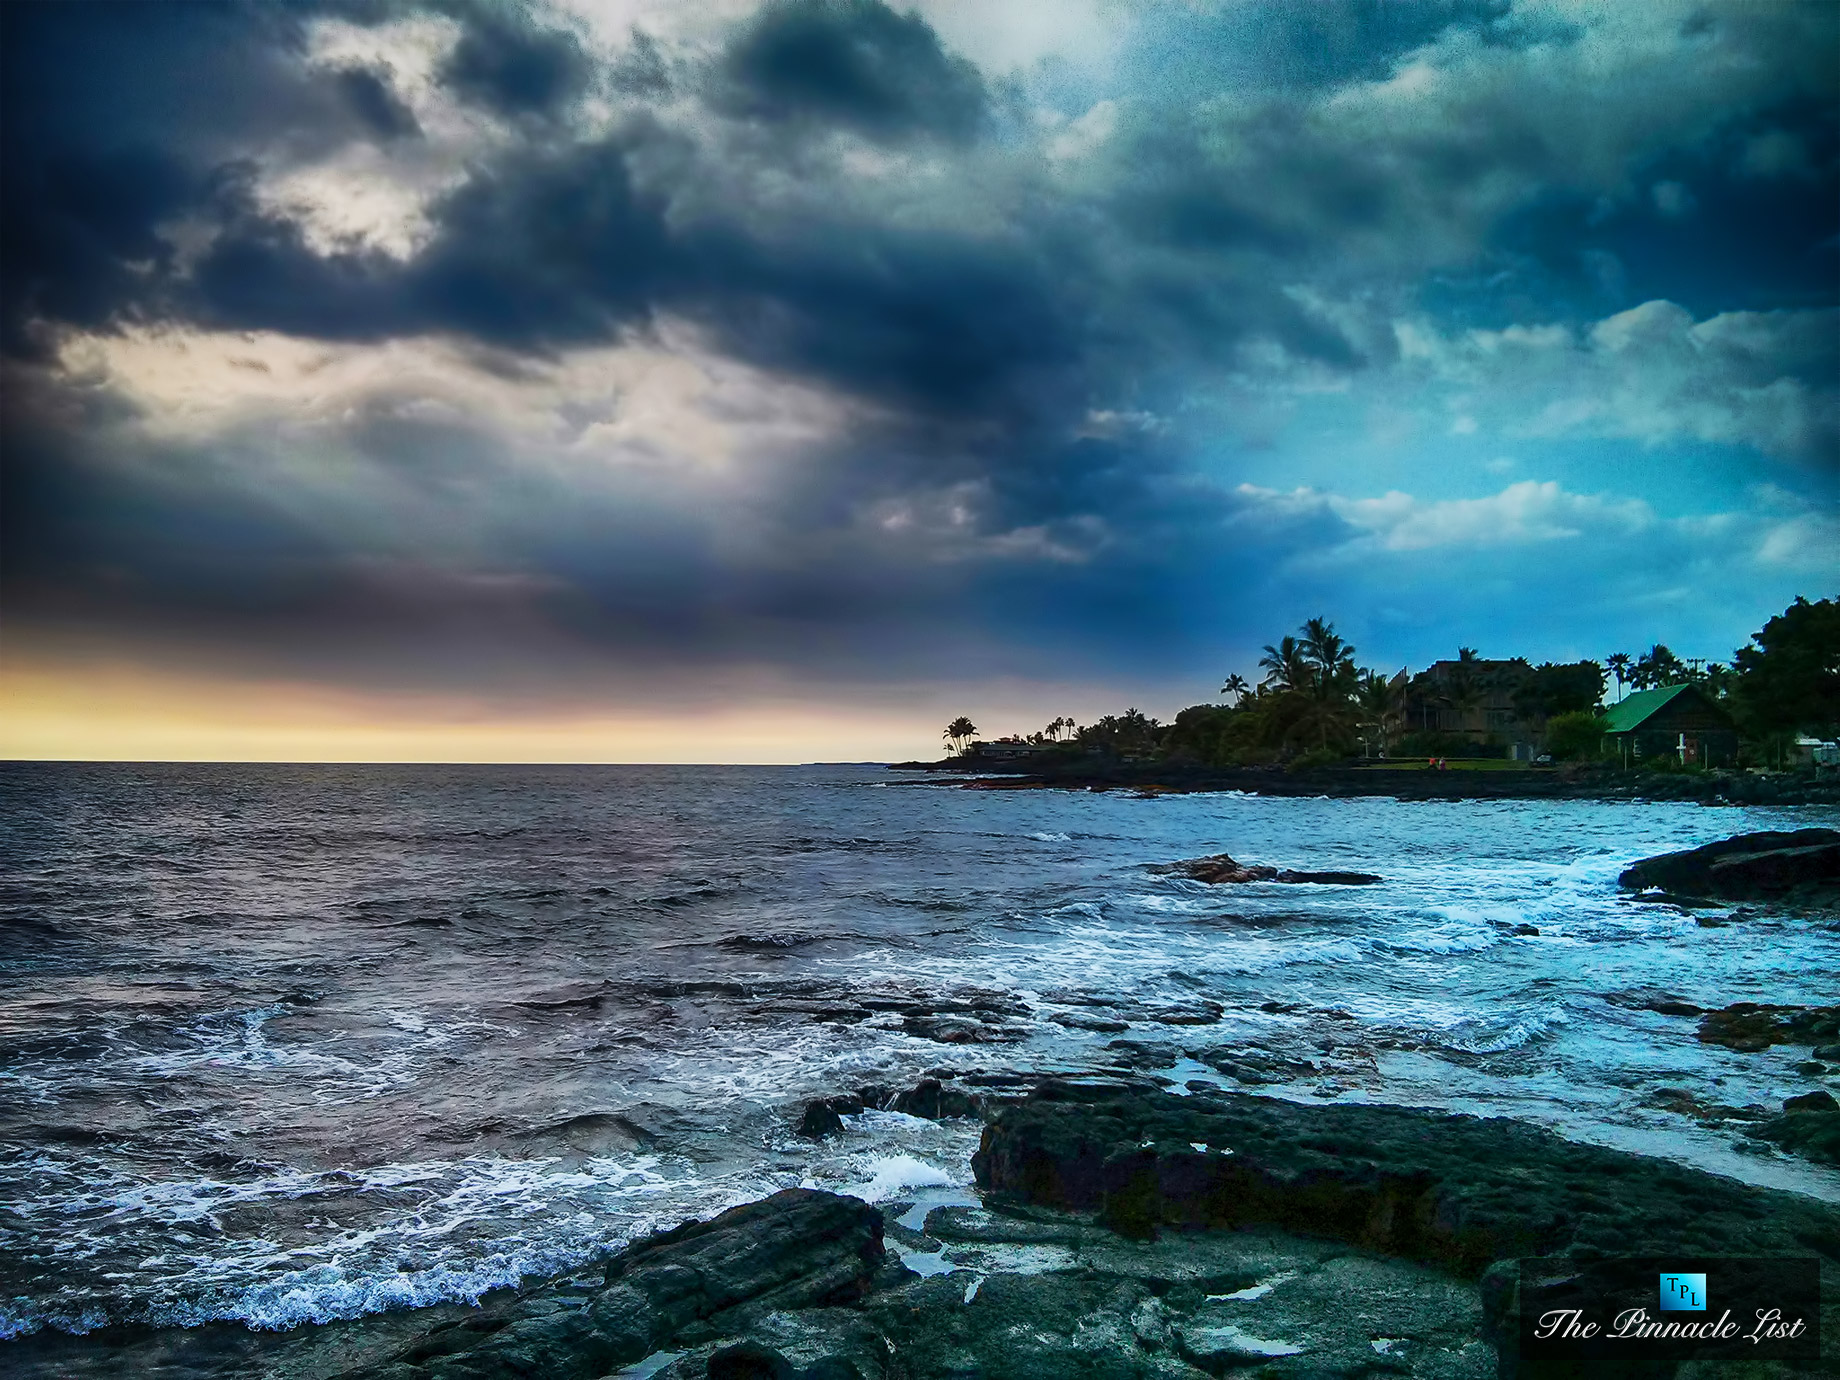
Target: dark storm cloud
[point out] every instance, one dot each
(1020, 340)
(515, 69)
(851, 63)
(369, 95)
(1741, 220)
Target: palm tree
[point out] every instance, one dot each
(1378, 700)
(1326, 651)
(1285, 665)
(1618, 662)
(1236, 686)
(1658, 667)
(1463, 691)
(958, 731)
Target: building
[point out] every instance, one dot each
(1474, 698)
(1678, 721)
(1005, 749)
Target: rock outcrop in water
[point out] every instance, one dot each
(1456, 1191)
(799, 1250)
(1801, 864)
(1748, 1027)
(1809, 1126)
(1129, 1233)
(1220, 868)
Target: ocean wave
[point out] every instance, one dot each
(431, 1232)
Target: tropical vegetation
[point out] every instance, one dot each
(1313, 702)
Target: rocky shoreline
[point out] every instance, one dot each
(1122, 1228)
(1532, 783)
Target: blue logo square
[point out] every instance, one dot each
(1682, 1293)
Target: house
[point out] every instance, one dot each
(1005, 749)
(1474, 698)
(1678, 721)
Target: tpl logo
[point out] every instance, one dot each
(1683, 1293)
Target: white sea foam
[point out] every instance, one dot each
(891, 1175)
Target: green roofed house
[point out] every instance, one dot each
(1678, 721)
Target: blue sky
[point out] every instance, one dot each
(653, 380)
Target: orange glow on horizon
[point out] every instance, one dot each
(60, 712)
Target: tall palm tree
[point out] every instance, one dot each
(1379, 701)
(1331, 676)
(1618, 662)
(1326, 652)
(1285, 665)
(1236, 686)
(958, 731)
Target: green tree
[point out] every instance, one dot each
(1236, 686)
(1380, 703)
(1559, 688)
(959, 732)
(1658, 667)
(1619, 663)
(1575, 736)
(1789, 680)
(1285, 665)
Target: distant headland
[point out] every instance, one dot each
(1761, 729)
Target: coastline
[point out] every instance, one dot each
(1119, 1226)
(1533, 783)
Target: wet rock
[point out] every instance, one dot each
(1460, 1192)
(824, 1116)
(931, 1099)
(1747, 867)
(1254, 1067)
(1219, 868)
(1820, 1100)
(1809, 1127)
(795, 1250)
(1082, 1020)
(962, 1030)
(1685, 1102)
(1749, 1027)
(816, 1344)
(1532, 931)
(1647, 999)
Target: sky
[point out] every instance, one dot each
(618, 380)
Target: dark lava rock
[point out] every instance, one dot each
(1748, 1027)
(1220, 868)
(824, 1116)
(1457, 1191)
(962, 1030)
(1747, 867)
(799, 1249)
(1662, 1003)
(930, 1099)
(1809, 1127)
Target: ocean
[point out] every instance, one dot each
(285, 1044)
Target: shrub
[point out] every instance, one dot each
(1575, 737)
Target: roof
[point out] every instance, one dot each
(1632, 711)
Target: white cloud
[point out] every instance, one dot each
(1759, 379)
(663, 399)
(1522, 513)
